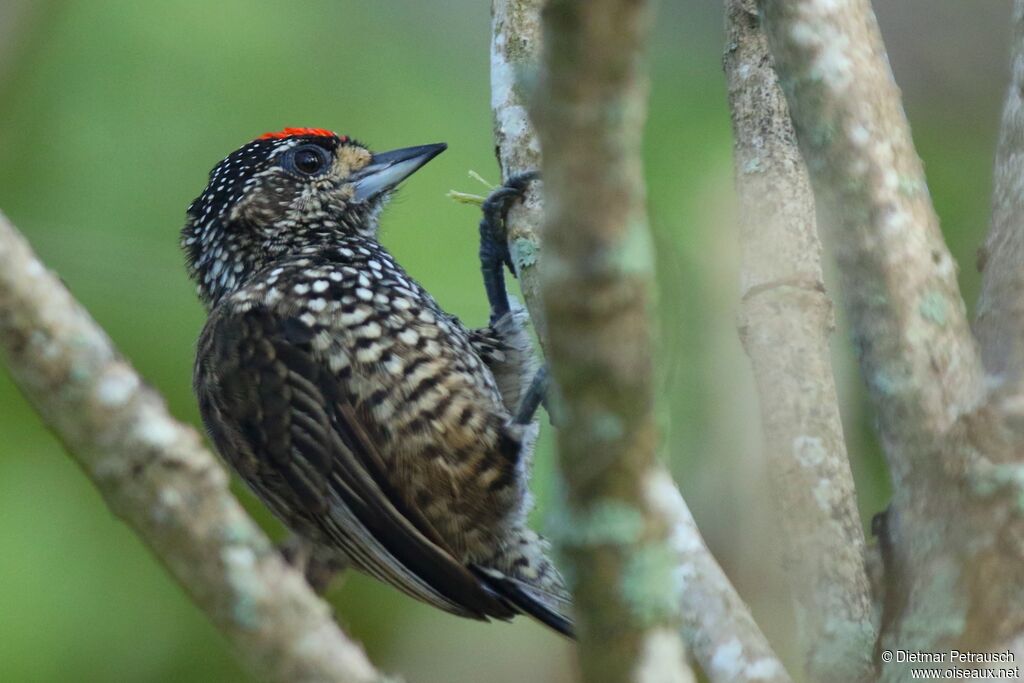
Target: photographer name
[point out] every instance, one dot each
(951, 657)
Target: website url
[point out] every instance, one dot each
(982, 674)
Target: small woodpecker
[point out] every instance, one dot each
(376, 426)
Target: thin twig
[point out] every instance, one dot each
(156, 475)
(786, 319)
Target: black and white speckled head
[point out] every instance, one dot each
(288, 193)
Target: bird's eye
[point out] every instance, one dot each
(309, 159)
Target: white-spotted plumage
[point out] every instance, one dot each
(373, 423)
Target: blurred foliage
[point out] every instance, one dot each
(111, 116)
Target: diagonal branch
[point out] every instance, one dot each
(1000, 321)
(156, 475)
(899, 280)
(786, 319)
(717, 625)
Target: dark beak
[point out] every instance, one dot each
(387, 169)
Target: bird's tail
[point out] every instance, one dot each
(526, 579)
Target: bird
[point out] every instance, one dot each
(384, 433)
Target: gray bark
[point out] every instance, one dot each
(785, 322)
(953, 564)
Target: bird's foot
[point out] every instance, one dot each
(536, 394)
(494, 252)
(318, 569)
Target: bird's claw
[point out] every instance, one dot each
(536, 394)
(493, 234)
(494, 252)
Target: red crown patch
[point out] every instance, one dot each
(294, 132)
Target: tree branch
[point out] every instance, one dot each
(1000, 319)
(898, 278)
(948, 537)
(515, 49)
(595, 286)
(716, 623)
(155, 474)
(785, 321)
(626, 526)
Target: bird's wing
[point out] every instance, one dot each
(272, 403)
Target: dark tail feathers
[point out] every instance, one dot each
(547, 608)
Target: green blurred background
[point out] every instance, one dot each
(111, 114)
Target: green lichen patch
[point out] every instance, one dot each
(911, 186)
(607, 522)
(239, 564)
(606, 427)
(652, 584)
(524, 253)
(242, 532)
(933, 308)
(637, 252)
(244, 612)
(884, 383)
(752, 165)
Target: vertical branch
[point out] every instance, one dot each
(155, 474)
(515, 52)
(716, 622)
(596, 279)
(786, 318)
(899, 280)
(1000, 321)
(950, 534)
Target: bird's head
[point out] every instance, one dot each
(285, 193)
